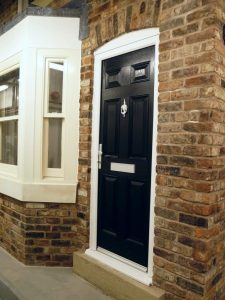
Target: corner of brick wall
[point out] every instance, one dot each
(189, 230)
(41, 233)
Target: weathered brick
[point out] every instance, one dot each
(190, 286)
(164, 254)
(201, 36)
(186, 72)
(185, 30)
(172, 24)
(193, 220)
(182, 161)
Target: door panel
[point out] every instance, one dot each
(124, 195)
(111, 126)
(138, 130)
(137, 207)
(109, 208)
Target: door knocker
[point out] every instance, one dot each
(124, 108)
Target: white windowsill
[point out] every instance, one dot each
(52, 192)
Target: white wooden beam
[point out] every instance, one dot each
(22, 4)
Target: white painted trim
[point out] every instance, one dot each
(6, 66)
(126, 43)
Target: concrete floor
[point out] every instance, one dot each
(19, 282)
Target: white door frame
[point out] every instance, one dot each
(126, 43)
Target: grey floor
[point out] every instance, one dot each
(42, 283)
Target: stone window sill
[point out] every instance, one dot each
(54, 192)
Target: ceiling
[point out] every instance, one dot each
(70, 4)
(43, 3)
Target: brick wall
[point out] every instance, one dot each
(40, 233)
(189, 223)
(188, 249)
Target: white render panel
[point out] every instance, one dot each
(40, 32)
(59, 32)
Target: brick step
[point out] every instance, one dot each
(112, 282)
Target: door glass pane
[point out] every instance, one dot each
(8, 140)
(54, 143)
(55, 87)
(9, 93)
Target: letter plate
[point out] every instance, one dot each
(126, 168)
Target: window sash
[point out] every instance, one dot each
(61, 65)
(50, 63)
(9, 142)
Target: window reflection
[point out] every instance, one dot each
(9, 94)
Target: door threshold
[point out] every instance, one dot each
(123, 260)
(127, 269)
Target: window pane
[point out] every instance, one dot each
(9, 93)
(8, 140)
(55, 87)
(54, 143)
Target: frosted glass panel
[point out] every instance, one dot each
(54, 143)
(55, 87)
(9, 93)
(8, 140)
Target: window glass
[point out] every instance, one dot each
(55, 87)
(8, 142)
(54, 142)
(9, 93)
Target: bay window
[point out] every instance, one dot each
(39, 109)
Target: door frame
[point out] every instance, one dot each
(126, 43)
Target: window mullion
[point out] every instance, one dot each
(54, 115)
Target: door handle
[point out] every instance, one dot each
(100, 156)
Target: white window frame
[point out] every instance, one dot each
(7, 66)
(121, 45)
(70, 113)
(54, 172)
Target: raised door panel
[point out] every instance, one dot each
(137, 218)
(109, 205)
(111, 127)
(138, 127)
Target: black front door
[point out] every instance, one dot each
(126, 146)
